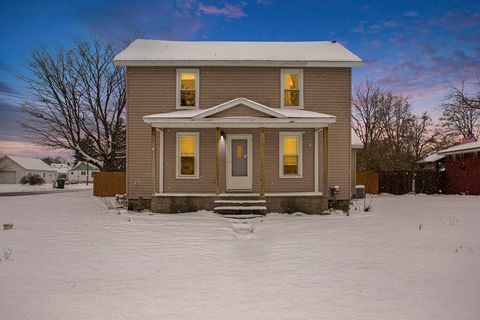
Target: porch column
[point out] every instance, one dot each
(217, 161)
(325, 161)
(262, 161)
(154, 158)
(161, 161)
(315, 161)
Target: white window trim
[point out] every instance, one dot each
(197, 88)
(197, 155)
(282, 88)
(281, 135)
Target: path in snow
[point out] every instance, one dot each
(72, 260)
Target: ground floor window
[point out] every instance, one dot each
(290, 157)
(187, 155)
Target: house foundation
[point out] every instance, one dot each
(309, 203)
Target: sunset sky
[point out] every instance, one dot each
(414, 48)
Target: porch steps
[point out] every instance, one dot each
(240, 207)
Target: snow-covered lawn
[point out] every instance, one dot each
(72, 260)
(9, 188)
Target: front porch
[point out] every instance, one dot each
(306, 202)
(240, 150)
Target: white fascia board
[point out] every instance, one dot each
(239, 63)
(239, 123)
(449, 153)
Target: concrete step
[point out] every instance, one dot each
(241, 210)
(243, 216)
(240, 202)
(243, 196)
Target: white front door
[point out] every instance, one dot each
(239, 162)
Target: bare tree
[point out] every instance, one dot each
(78, 102)
(460, 113)
(422, 137)
(468, 100)
(365, 110)
(394, 137)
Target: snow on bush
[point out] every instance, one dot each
(32, 179)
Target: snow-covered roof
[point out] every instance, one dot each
(217, 53)
(434, 157)
(82, 166)
(31, 163)
(462, 148)
(277, 117)
(60, 167)
(356, 142)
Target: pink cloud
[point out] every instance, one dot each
(28, 149)
(229, 10)
(390, 23)
(456, 20)
(410, 14)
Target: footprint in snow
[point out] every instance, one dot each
(243, 230)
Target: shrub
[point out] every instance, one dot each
(32, 179)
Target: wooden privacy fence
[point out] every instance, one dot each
(401, 182)
(369, 179)
(108, 184)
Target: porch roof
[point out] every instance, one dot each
(275, 117)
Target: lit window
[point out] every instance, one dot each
(187, 88)
(290, 154)
(292, 88)
(187, 155)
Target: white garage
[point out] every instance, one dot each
(7, 177)
(13, 168)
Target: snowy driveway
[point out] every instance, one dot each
(72, 260)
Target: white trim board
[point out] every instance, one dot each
(239, 63)
(239, 122)
(239, 101)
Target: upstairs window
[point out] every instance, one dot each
(187, 89)
(187, 155)
(292, 88)
(290, 155)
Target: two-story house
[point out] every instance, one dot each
(228, 125)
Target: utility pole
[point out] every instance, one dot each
(87, 172)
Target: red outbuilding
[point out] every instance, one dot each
(462, 168)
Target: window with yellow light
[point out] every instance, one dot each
(187, 155)
(291, 89)
(187, 89)
(290, 155)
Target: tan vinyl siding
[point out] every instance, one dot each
(273, 183)
(152, 90)
(328, 90)
(206, 181)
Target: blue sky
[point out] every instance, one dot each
(414, 48)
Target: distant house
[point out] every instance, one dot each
(61, 168)
(462, 167)
(81, 171)
(12, 169)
